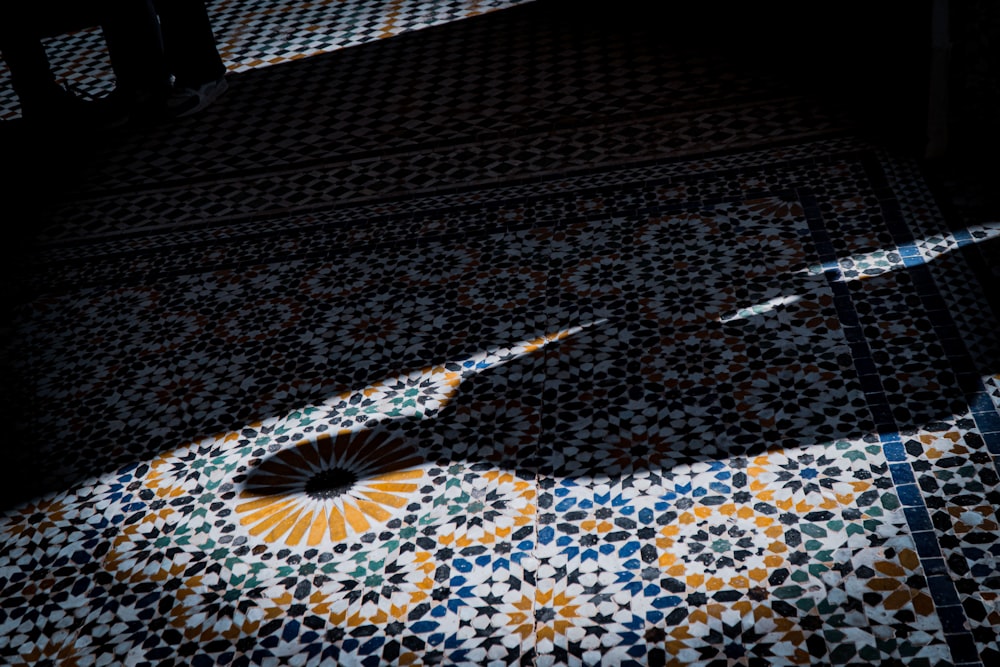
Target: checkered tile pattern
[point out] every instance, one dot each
(261, 33)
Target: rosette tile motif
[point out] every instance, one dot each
(323, 490)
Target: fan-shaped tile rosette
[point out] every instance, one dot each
(321, 491)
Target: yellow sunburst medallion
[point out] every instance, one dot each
(319, 491)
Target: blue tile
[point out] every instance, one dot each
(881, 412)
(963, 236)
(963, 647)
(860, 350)
(893, 218)
(963, 364)
(871, 384)
(865, 366)
(909, 494)
(848, 317)
(987, 422)
(942, 590)
(969, 382)
(935, 303)
(981, 402)
(954, 348)
(924, 283)
(933, 566)
(853, 334)
(902, 473)
(918, 518)
(953, 619)
(993, 444)
(840, 289)
(927, 544)
(824, 248)
(940, 318)
(894, 451)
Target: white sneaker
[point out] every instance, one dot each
(188, 101)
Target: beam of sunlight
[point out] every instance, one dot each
(759, 309)
(326, 26)
(341, 481)
(874, 263)
(916, 253)
(397, 398)
(390, 395)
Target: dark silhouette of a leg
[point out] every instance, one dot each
(21, 46)
(135, 46)
(189, 42)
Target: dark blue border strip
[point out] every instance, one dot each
(983, 412)
(943, 591)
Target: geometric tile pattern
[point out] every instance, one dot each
(361, 178)
(669, 406)
(261, 33)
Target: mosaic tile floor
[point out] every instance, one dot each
(518, 339)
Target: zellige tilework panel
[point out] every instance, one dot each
(668, 367)
(619, 438)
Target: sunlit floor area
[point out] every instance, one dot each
(491, 333)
